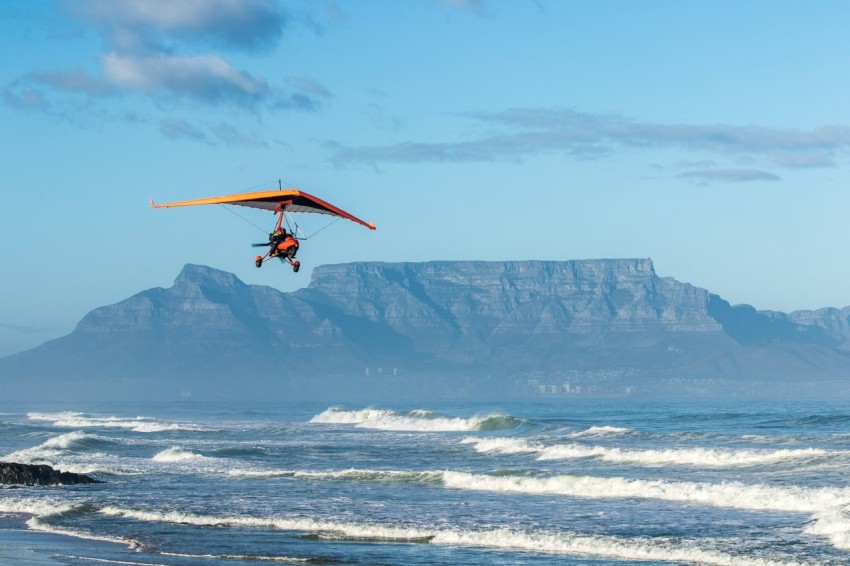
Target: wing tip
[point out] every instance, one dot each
(152, 204)
(371, 226)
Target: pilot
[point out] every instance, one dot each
(275, 238)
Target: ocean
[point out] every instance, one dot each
(571, 481)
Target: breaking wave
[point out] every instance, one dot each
(70, 419)
(361, 531)
(54, 446)
(350, 474)
(828, 506)
(602, 431)
(247, 557)
(37, 524)
(564, 543)
(73, 452)
(178, 454)
(41, 507)
(418, 420)
(702, 457)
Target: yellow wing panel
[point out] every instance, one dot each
(290, 201)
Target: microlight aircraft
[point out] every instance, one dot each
(282, 244)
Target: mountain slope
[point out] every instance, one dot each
(496, 321)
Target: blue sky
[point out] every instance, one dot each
(712, 137)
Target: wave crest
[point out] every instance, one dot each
(353, 474)
(565, 543)
(418, 420)
(71, 419)
(700, 457)
(178, 454)
(827, 506)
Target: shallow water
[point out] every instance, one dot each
(574, 482)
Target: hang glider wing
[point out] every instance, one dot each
(291, 200)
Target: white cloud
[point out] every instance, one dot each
(208, 78)
(237, 23)
(522, 132)
(729, 175)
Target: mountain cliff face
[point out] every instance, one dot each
(507, 320)
(512, 313)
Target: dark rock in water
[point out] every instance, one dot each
(28, 474)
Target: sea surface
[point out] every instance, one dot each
(590, 481)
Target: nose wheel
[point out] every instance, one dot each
(296, 265)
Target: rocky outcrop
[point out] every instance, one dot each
(29, 474)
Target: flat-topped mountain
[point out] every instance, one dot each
(437, 323)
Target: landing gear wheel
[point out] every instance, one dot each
(259, 261)
(296, 266)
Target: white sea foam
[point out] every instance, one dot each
(178, 454)
(68, 440)
(570, 544)
(84, 559)
(828, 506)
(350, 530)
(35, 455)
(602, 431)
(698, 456)
(41, 506)
(38, 525)
(50, 451)
(759, 497)
(50, 447)
(240, 557)
(833, 523)
(502, 445)
(418, 420)
(70, 419)
(602, 547)
(349, 474)
(67, 452)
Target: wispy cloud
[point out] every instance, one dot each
(230, 135)
(145, 40)
(76, 80)
(25, 99)
(221, 133)
(179, 129)
(130, 24)
(809, 160)
(729, 175)
(162, 50)
(519, 133)
(208, 78)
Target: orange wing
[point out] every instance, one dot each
(291, 200)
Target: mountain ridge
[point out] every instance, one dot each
(490, 322)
